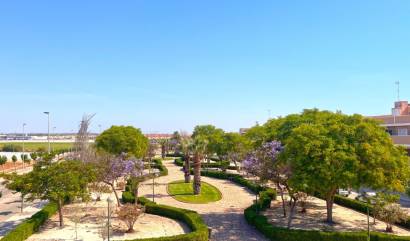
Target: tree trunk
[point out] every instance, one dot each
(130, 229)
(187, 169)
(197, 175)
(329, 206)
(22, 203)
(60, 212)
(163, 151)
(292, 212)
(283, 199)
(115, 192)
(135, 191)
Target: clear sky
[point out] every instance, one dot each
(170, 65)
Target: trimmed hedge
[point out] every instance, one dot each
(236, 178)
(31, 225)
(283, 234)
(274, 233)
(191, 218)
(179, 161)
(362, 207)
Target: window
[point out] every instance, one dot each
(402, 131)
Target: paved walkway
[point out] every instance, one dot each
(225, 216)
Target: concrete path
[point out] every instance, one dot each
(10, 209)
(225, 216)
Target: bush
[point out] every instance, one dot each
(362, 207)
(31, 225)
(12, 148)
(261, 223)
(191, 218)
(128, 197)
(236, 178)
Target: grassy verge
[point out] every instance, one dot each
(36, 146)
(183, 192)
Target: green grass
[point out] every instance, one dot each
(35, 146)
(183, 192)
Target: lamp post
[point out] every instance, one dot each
(54, 137)
(24, 135)
(154, 174)
(109, 201)
(48, 129)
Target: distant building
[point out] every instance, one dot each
(398, 123)
(243, 130)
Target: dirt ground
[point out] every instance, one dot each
(345, 219)
(91, 222)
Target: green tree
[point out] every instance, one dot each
(14, 160)
(185, 146)
(164, 143)
(21, 184)
(234, 147)
(256, 135)
(327, 151)
(3, 160)
(123, 139)
(199, 146)
(61, 181)
(213, 137)
(33, 156)
(175, 141)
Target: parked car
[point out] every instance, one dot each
(343, 192)
(366, 196)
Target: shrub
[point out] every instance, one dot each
(362, 207)
(12, 148)
(31, 225)
(191, 218)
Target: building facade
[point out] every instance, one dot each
(398, 123)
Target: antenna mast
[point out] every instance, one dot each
(398, 90)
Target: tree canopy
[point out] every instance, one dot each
(327, 151)
(211, 135)
(123, 139)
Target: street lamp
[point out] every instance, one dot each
(109, 201)
(54, 136)
(24, 135)
(155, 174)
(48, 129)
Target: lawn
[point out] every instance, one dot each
(183, 192)
(35, 146)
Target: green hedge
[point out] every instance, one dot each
(261, 223)
(31, 225)
(362, 207)
(190, 218)
(236, 178)
(179, 161)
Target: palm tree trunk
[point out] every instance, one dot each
(187, 169)
(197, 174)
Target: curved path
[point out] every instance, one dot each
(225, 216)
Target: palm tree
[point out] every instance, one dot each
(186, 149)
(199, 149)
(164, 147)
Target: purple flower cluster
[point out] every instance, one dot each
(258, 161)
(121, 167)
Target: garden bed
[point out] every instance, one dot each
(183, 192)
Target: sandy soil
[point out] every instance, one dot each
(91, 221)
(345, 219)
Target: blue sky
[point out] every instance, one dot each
(170, 65)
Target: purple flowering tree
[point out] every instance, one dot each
(113, 168)
(265, 164)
